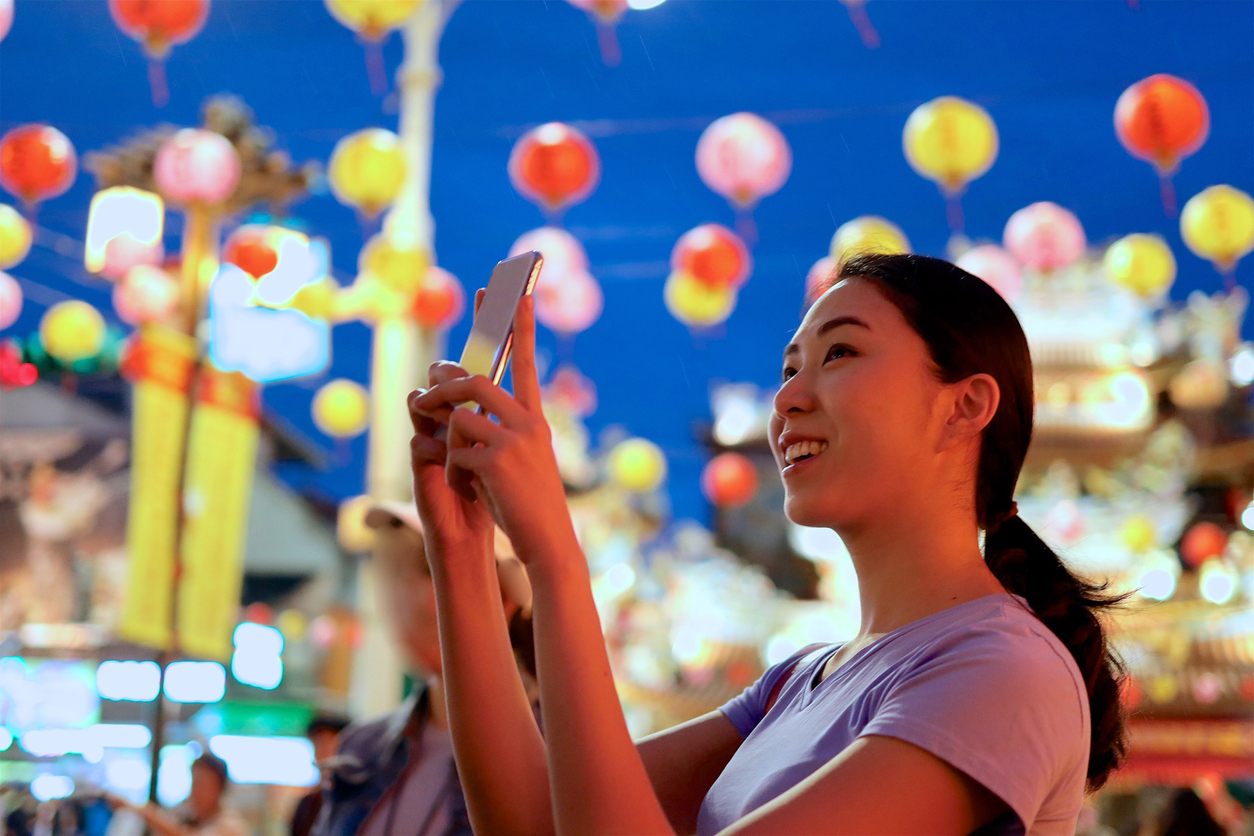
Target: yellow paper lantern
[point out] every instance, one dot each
(1141, 263)
(951, 141)
(341, 408)
(317, 299)
(372, 19)
(350, 524)
(72, 331)
(868, 234)
(1163, 688)
(1218, 225)
(637, 465)
(292, 624)
(697, 304)
(396, 266)
(15, 237)
(367, 170)
(1138, 534)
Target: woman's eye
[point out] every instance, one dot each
(838, 351)
(789, 372)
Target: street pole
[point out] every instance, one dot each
(401, 350)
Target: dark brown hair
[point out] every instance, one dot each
(969, 329)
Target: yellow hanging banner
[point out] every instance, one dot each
(220, 468)
(160, 365)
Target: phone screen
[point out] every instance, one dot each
(492, 335)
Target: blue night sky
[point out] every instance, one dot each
(1048, 72)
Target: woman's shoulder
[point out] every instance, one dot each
(1004, 639)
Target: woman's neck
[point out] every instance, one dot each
(909, 568)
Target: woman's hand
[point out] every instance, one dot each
(452, 519)
(512, 463)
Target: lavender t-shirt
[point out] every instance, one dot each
(983, 685)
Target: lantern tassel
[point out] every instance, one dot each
(862, 23)
(157, 82)
(608, 41)
(1228, 270)
(953, 212)
(375, 69)
(746, 226)
(1167, 190)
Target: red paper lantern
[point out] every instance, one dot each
(730, 479)
(713, 255)
(251, 249)
(440, 301)
(159, 24)
(554, 165)
(259, 613)
(1202, 542)
(1162, 119)
(36, 162)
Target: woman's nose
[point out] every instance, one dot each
(794, 395)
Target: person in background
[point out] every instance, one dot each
(205, 813)
(395, 774)
(323, 732)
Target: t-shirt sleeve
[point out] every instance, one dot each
(1004, 709)
(748, 708)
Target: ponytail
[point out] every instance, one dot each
(1069, 607)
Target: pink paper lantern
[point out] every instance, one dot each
(569, 304)
(818, 280)
(563, 254)
(124, 253)
(197, 166)
(6, 17)
(1044, 237)
(996, 267)
(10, 300)
(147, 294)
(744, 158)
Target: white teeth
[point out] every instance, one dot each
(803, 448)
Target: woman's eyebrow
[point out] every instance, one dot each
(830, 325)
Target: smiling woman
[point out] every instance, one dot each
(978, 694)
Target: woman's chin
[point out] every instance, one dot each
(803, 510)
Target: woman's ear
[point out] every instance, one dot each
(972, 403)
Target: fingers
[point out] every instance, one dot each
(472, 428)
(424, 449)
(437, 401)
(523, 372)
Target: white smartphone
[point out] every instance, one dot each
(491, 337)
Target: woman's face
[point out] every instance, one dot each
(855, 419)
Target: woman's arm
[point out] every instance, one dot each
(878, 785)
(598, 780)
(499, 751)
(683, 763)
